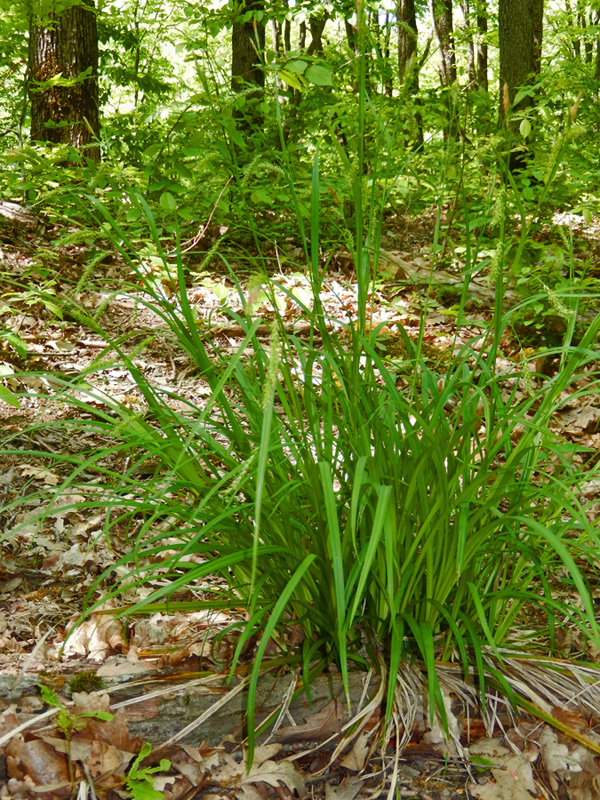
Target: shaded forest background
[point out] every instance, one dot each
(204, 108)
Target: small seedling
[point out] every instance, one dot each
(139, 780)
(67, 722)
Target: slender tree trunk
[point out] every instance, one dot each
(468, 35)
(247, 47)
(407, 51)
(389, 72)
(537, 15)
(482, 48)
(351, 36)
(65, 45)
(441, 15)
(316, 23)
(276, 30)
(302, 36)
(407, 37)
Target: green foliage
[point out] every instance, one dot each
(139, 780)
(378, 511)
(67, 722)
(378, 518)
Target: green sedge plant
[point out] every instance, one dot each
(379, 519)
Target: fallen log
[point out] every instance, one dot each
(21, 216)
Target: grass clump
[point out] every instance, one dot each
(378, 519)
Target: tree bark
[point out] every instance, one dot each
(520, 35)
(468, 35)
(537, 15)
(276, 29)
(517, 52)
(316, 23)
(441, 15)
(408, 35)
(64, 47)
(482, 48)
(247, 48)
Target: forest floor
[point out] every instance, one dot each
(47, 568)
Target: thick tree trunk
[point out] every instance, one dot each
(517, 54)
(520, 36)
(65, 45)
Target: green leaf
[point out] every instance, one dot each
(151, 151)
(49, 696)
(319, 75)
(104, 716)
(525, 128)
(144, 790)
(9, 397)
(167, 203)
(260, 196)
(298, 67)
(295, 81)
(15, 342)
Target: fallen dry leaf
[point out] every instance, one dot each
(356, 758)
(318, 726)
(513, 775)
(346, 790)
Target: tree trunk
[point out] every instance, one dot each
(537, 15)
(468, 36)
(441, 15)
(407, 37)
(276, 29)
(302, 35)
(520, 36)
(247, 48)
(482, 48)
(407, 51)
(317, 24)
(517, 52)
(65, 45)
